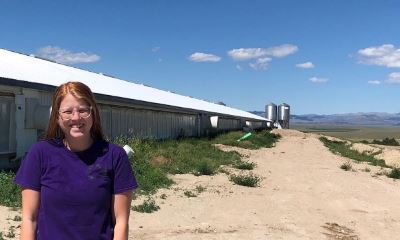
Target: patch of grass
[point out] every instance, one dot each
(394, 173)
(346, 166)
(163, 196)
(205, 167)
(149, 177)
(10, 193)
(155, 159)
(1, 236)
(11, 232)
(148, 206)
(224, 170)
(17, 218)
(249, 180)
(189, 194)
(367, 169)
(200, 189)
(386, 141)
(257, 140)
(344, 150)
(244, 165)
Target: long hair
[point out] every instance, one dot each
(80, 91)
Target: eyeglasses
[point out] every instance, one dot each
(68, 113)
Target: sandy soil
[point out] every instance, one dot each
(303, 195)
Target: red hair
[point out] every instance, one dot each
(80, 91)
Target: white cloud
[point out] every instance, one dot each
(394, 78)
(385, 55)
(260, 64)
(318, 80)
(204, 57)
(375, 82)
(155, 49)
(305, 65)
(238, 67)
(64, 56)
(282, 50)
(243, 54)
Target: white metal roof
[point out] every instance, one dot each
(31, 69)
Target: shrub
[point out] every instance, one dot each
(249, 180)
(10, 193)
(200, 188)
(346, 166)
(148, 206)
(205, 167)
(11, 232)
(189, 194)
(366, 169)
(386, 141)
(394, 173)
(244, 165)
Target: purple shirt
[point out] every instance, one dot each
(75, 188)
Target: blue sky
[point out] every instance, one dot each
(318, 56)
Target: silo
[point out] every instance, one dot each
(284, 115)
(271, 113)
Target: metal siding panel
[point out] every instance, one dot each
(45, 98)
(105, 116)
(5, 116)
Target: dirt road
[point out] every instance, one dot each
(304, 195)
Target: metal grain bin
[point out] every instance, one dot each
(271, 112)
(283, 112)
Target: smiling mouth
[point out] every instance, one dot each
(76, 126)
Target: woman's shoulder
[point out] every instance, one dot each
(46, 144)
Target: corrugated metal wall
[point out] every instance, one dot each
(5, 117)
(229, 124)
(144, 123)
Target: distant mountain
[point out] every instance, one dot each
(373, 118)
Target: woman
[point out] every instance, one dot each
(75, 185)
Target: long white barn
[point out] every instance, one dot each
(27, 84)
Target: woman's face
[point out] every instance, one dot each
(75, 118)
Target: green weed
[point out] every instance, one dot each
(10, 193)
(367, 169)
(148, 206)
(249, 180)
(344, 150)
(346, 166)
(11, 232)
(244, 165)
(394, 173)
(17, 218)
(200, 188)
(386, 141)
(257, 140)
(189, 194)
